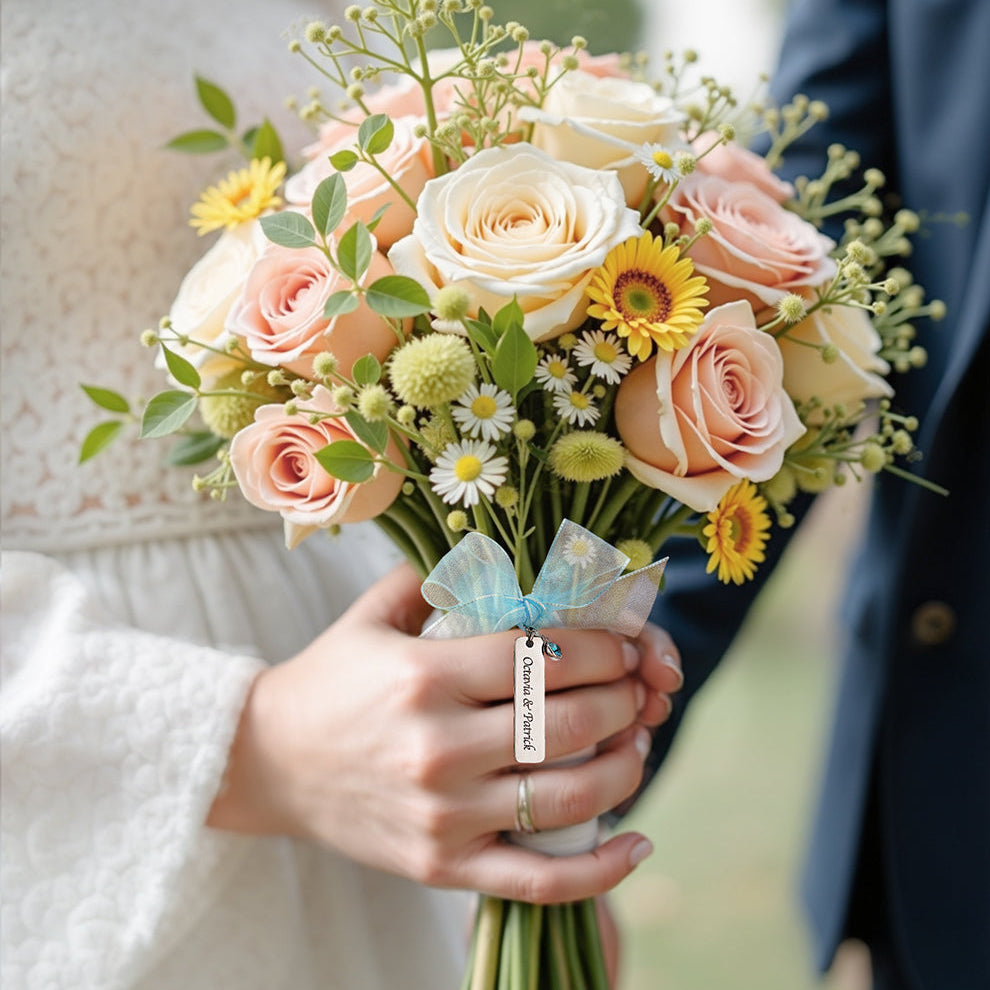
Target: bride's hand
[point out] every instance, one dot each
(396, 750)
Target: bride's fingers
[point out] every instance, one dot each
(559, 797)
(518, 874)
(575, 720)
(481, 669)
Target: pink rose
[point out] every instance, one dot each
(697, 420)
(407, 160)
(757, 250)
(276, 467)
(734, 163)
(279, 312)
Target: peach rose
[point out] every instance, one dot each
(852, 378)
(515, 222)
(734, 163)
(276, 467)
(757, 250)
(279, 312)
(408, 160)
(600, 122)
(697, 420)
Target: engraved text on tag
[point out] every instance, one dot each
(529, 699)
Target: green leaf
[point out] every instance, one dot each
(99, 438)
(367, 370)
(344, 161)
(340, 303)
(329, 203)
(397, 296)
(482, 334)
(181, 370)
(194, 449)
(511, 313)
(267, 144)
(289, 229)
(201, 142)
(216, 103)
(373, 435)
(347, 460)
(166, 413)
(354, 251)
(107, 399)
(515, 359)
(375, 133)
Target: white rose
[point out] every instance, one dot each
(852, 378)
(600, 122)
(209, 289)
(513, 222)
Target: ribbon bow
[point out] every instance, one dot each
(580, 585)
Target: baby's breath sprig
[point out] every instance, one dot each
(787, 123)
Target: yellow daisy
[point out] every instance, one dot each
(737, 533)
(648, 294)
(245, 194)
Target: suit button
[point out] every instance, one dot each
(932, 623)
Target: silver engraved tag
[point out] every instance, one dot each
(529, 700)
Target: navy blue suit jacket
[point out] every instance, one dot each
(908, 85)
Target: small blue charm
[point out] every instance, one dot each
(551, 650)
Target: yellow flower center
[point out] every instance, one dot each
(579, 400)
(484, 407)
(640, 295)
(579, 548)
(556, 369)
(605, 352)
(662, 158)
(467, 467)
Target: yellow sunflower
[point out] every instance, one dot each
(648, 294)
(245, 194)
(737, 533)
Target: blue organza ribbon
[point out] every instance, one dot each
(580, 585)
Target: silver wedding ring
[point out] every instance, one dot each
(524, 805)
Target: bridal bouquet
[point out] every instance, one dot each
(533, 313)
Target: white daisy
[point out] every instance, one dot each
(575, 408)
(554, 373)
(658, 161)
(486, 412)
(578, 551)
(467, 470)
(601, 350)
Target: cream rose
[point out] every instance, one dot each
(279, 312)
(274, 460)
(700, 419)
(407, 160)
(757, 250)
(734, 163)
(599, 122)
(856, 373)
(515, 222)
(209, 290)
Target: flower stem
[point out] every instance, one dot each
(590, 941)
(484, 972)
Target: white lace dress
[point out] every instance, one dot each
(135, 612)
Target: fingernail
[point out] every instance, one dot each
(630, 655)
(643, 742)
(640, 851)
(668, 703)
(640, 696)
(669, 660)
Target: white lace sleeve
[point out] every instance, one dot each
(113, 745)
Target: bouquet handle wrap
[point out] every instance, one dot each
(580, 585)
